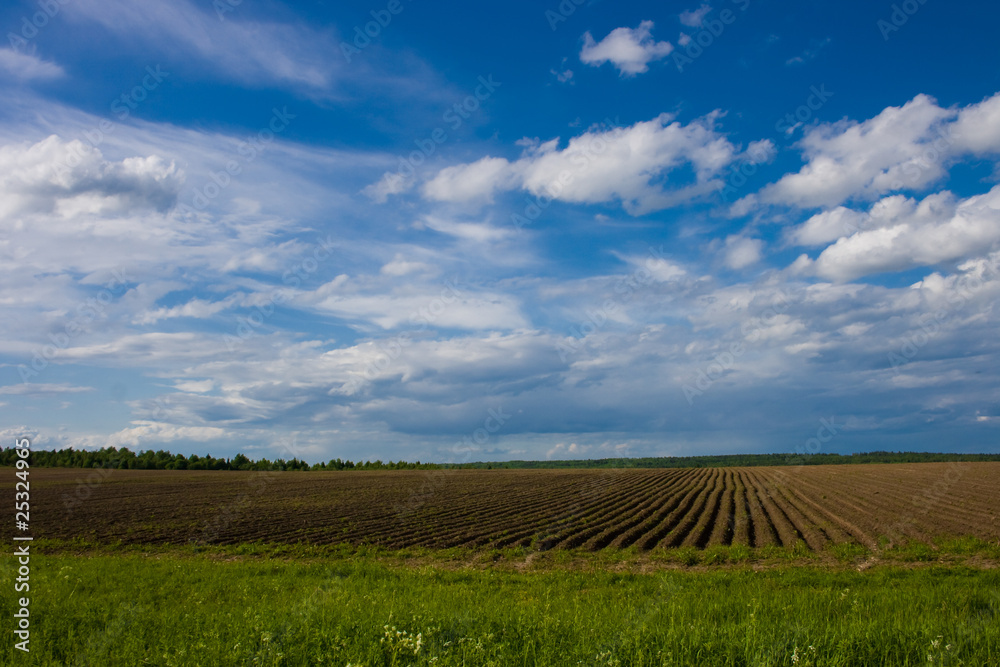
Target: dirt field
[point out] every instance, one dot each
(589, 509)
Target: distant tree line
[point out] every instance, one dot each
(742, 460)
(110, 457)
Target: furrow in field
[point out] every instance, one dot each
(615, 532)
(762, 531)
(701, 532)
(487, 502)
(560, 530)
(686, 522)
(742, 524)
(886, 513)
(649, 534)
(552, 508)
(851, 530)
(612, 522)
(675, 514)
(429, 530)
(426, 526)
(724, 523)
(783, 525)
(544, 523)
(815, 537)
(881, 517)
(618, 534)
(643, 484)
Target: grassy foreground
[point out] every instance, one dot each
(179, 608)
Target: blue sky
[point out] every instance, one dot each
(456, 231)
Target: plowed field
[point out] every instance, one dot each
(588, 509)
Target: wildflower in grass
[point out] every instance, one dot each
(401, 641)
(798, 655)
(937, 656)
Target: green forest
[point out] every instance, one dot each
(124, 458)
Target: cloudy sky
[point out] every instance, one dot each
(466, 231)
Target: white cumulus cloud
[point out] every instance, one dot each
(902, 148)
(903, 234)
(70, 177)
(630, 50)
(629, 164)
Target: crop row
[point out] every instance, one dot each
(587, 509)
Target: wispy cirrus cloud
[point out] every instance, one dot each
(252, 52)
(693, 18)
(27, 67)
(42, 389)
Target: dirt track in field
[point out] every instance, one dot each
(588, 509)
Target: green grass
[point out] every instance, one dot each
(946, 551)
(173, 606)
